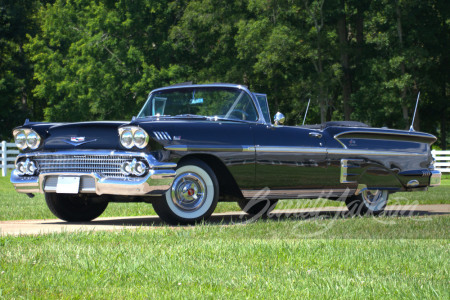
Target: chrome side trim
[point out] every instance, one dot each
(162, 135)
(298, 194)
(177, 148)
(288, 149)
(405, 134)
(372, 152)
(339, 141)
(244, 148)
(376, 135)
(347, 164)
(211, 148)
(291, 149)
(417, 173)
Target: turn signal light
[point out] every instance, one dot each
(134, 167)
(27, 167)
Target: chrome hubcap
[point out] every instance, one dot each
(188, 191)
(373, 197)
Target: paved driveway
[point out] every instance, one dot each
(33, 227)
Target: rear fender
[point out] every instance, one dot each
(371, 174)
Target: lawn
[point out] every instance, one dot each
(354, 258)
(385, 257)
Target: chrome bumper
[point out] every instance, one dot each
(435, 178)
(157, 181)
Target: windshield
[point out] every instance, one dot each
(217, 102)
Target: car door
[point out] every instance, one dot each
(289, 157)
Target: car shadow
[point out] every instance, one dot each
(235, 218)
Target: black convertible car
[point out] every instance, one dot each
(194, 145)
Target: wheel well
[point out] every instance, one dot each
(228, 188)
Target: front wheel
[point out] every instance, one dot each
(368, 202)
(193, 196)
(75, 208)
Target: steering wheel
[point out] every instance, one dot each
(239, 114)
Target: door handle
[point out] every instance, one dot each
(315, 134)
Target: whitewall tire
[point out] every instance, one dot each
(193, 195)
(368, 202)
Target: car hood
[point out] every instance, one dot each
(84, 135)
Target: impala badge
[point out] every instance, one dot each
(78, 140)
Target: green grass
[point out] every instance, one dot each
(355, 258)
(15, 206)
(291, 257)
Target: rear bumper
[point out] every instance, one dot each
(435, 178)
(156, 181)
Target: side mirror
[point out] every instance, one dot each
(278, 118)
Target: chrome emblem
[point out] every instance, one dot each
(77, 139)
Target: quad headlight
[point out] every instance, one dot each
(133, 136)
(26, 138)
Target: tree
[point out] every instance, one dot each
(99, 59)
(72, 60)
(16, 72)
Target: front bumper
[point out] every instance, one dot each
(156, 181)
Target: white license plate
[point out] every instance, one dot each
(68, 185)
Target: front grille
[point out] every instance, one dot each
(107, 165)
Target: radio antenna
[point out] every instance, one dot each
(415, 110)
(306, 111)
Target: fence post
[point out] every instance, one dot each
(4, 160)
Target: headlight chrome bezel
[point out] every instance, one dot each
(126, 139)
(33, 145)
(136, 133)
(24, 139)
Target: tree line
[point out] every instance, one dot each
(74, 60)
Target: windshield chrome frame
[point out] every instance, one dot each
(260, 120)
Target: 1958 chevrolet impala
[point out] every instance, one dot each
(194, 145)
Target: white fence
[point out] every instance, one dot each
(7, 158)
(442, 160)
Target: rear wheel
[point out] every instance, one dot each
(75, 208)
(257, 207)
(368, 202)
(193, 196)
